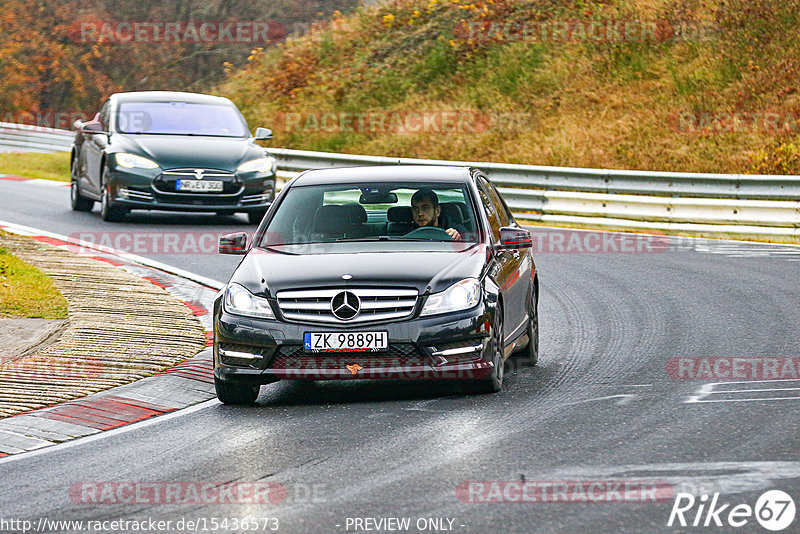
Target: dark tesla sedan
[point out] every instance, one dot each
(377, 272)
(159, 150)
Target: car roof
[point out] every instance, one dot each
(169, 96)
(386, 173)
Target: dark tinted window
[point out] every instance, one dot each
(491, 211)
(500, 207)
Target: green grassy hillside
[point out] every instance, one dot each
(666, 85)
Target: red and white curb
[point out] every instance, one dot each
(185, 384)
(38, 181)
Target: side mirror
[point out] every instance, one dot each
(512, 238)
(233, 243)
(92, 128)
(263, 134)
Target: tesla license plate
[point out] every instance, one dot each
(345, 342)
(211, 186)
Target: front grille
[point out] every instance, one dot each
(397, 355)
(393, 350)
(314, 305)
(165, 182)
(190, 173)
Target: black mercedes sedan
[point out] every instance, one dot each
(416, 272)
(170, 151)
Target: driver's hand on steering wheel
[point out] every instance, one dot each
(452, 232)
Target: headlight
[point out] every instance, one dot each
(240, 301)
(460, 296)
(132, 161)
(267, 164)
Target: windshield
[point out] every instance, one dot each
(181, 118)
(373, 212)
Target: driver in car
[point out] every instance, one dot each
(425, 211)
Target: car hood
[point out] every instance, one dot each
(174, 151)
(266, 271)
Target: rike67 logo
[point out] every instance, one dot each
(774, 510)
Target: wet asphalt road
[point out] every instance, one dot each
(600, 407)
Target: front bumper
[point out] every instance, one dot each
(451, 346)
(134, 189)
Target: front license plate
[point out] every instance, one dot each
(345, 341)
(199, 185)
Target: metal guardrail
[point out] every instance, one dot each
(713, 204)
(681, 184)
(25, 138)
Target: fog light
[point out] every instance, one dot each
(240, 356)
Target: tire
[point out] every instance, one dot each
(494, 382)
(107, 211)
(77, 201)
(254, 217)
(236, 394)
(532, 350)
(533, 329)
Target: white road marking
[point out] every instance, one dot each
(718, 388)
(625, 398)
(625, 385)
(691, 477)
(50, 183)
(113, 432)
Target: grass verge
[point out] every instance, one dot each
(34, 165)
(710, 86)
(25, 291)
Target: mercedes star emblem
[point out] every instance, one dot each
(345, 305)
